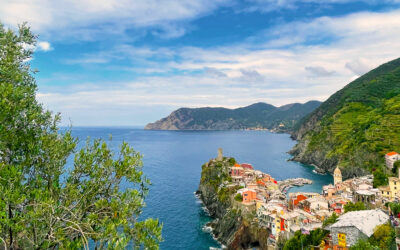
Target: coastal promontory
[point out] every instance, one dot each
(255, 116)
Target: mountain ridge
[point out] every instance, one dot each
(258, 115)
(354, 127)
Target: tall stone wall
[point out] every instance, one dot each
(352, 235)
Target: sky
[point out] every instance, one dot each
(130, 62)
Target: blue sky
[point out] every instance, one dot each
(124, 62)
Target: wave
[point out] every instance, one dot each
(316, 172)
(207, 229)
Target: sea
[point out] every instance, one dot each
(173, 159)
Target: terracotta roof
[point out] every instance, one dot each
(391, 153)
(247, 165)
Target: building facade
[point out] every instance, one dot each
(391, 158)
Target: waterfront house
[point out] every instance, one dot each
(391, 158)
(353, 226)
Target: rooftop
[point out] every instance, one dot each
(365, 221)
(392, 153)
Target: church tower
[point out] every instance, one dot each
(337, 176)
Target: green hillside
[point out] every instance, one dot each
(258, 115)
(356, 126)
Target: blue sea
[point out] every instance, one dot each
(173, 159)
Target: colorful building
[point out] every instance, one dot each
(237, 173)
(249, 195)
(391, 158)
(247, 166)
(391, 191)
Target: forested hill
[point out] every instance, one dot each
(258, 115)
(356, 126)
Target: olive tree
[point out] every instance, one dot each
(44, 204)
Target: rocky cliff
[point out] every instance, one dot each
(232, 226)
(355, 127)
(259, 115)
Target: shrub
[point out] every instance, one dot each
(239, 197)
(354, 207)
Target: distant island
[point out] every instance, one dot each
(258, 116)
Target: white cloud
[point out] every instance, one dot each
(85, 19)
(274, 5)
(359, 66)
(44, 46)
(318, 71)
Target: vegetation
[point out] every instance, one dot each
(360, 123)
(364, 245)
(395, 208)
(380, 178)
(307, 241)
(330, 220)
(383, 237)
(395, 169)
(232, 161)
(258, 115)
(44, 205)
(349, 207)
(239, 197)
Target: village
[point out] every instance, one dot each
(284, 213)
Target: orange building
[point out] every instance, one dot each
(249, 195)
(260, 183)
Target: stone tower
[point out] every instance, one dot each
(220, 157)
(337, 176)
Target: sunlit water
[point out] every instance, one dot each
(173, 159)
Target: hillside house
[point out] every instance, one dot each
(247, 166)
(391, 192)
(353, 226)
(237, 173)
(249, 195)
(391, 158)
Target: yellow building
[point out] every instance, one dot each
(337, 176)
(386, 193)
(392, 190)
